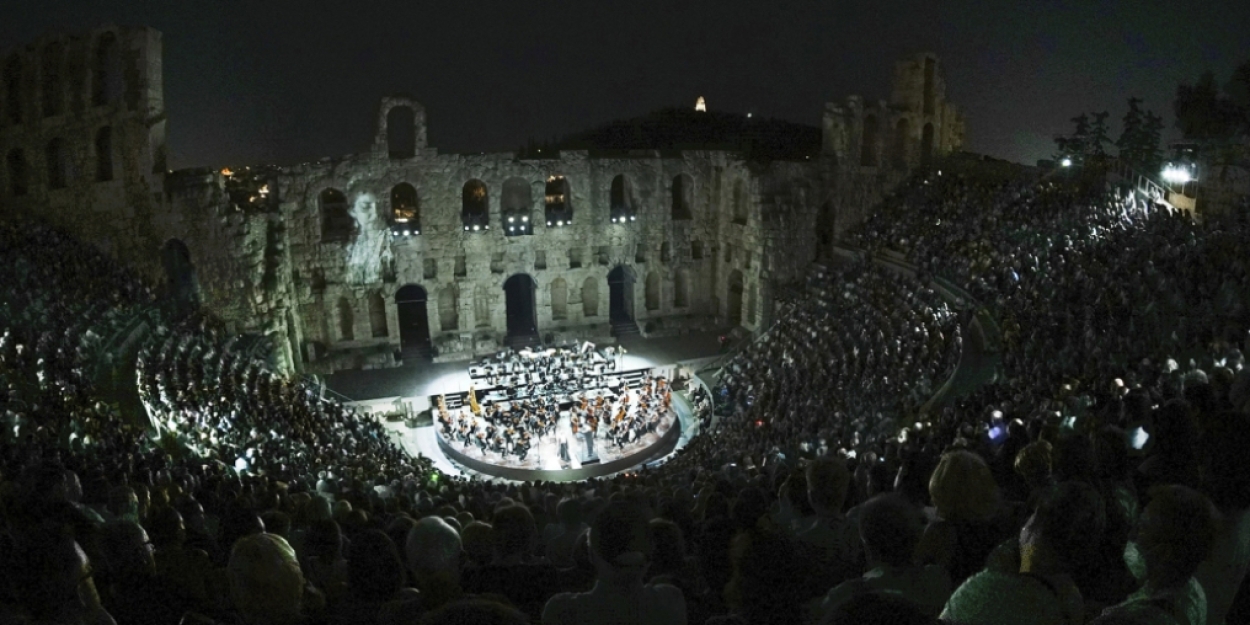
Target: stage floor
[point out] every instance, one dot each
(544, 462)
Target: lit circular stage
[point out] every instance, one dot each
(557, 415)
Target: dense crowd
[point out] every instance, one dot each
(1099, 478)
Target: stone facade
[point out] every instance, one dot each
(342, 262)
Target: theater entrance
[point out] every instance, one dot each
(414, 322)
(519, 291)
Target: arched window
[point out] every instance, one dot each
(481, 307)
(683, 197)
(106, 85)
(680, 290)
(377, 316)
(926, 144)
(337, 223)
(51, 80)
(868, 143)
(590, 298)
(622, 200)
(752, 293)
(653, 290)
(13, 89)
(558, 202)
(902, 134)
(58, 163)
(405, 207)
(104, 154)
(559, 299)
(15, 163)
(515, 205)
(740, 202)
(347, 320)
(666, 252)
(401, 132)
(475, 206)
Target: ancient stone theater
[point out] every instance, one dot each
(407, 252)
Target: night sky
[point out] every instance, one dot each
(284, 82)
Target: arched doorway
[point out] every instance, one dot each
(734, 312)
(621, 295)
(522, 315)
(184, 288)
(414, 321)
(926, 144)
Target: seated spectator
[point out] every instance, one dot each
(1174, 536)
(762, 591)
(475, 611)
(560, 546)
(1174, 453)
(375, 582)
(514, 572)
(323, 563)
(972, 519)
(478, 543)
(1226, 479)
(620, 549)
(433, 550)
(130, 588)
(186, 571)
(833, 537)
(54, 581)
(890, 529)
(1064, 529)
(266, 583)
(879, 609)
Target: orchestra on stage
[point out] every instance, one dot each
(568, 397)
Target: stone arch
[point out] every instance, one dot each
(733, 311)
(13, 89)
(590, 297)
(902, 136)
(683, 197)
(104, 154)
(51, 79)
(337, 223)
(107, 82)
(739, 202)
(409, 136)
(180, 275)
(522, 314)
(414, 319)
(475, 205)
(405, 206)
(621, 294)
(621, 196)
(449, 308)
(18, 172)
(401, 132)
(347, 320)
(377, 316)
(516, 203)
(559, 299)
(926, 144)
(58, 164)
(680, 289)
(654, 284)
(868, 142)
(558, 201)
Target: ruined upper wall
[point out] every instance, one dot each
(915, 126)
(82, 131)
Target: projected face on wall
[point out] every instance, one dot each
(365, 255)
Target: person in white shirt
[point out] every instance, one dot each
(620, 549)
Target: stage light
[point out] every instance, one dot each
(1066, 162)
(511, 219)
(633, 218)
(476, 227)
(487, 227)
(511, 228)
(466, 228)
(549, 224)
(406, 233)
(1176, 174)
(559, 223)
(417, 232)
(525, 218)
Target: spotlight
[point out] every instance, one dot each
(549, 224)
(1176, 174)
(487, 226)
(511, 219)
(633, 218)
(511, 228)
(525, 218)
(613, 220)
(559, 223)
(476, 227)
(416, 232)
(406, 233)
(1066, 162)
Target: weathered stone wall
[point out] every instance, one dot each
(267, 259)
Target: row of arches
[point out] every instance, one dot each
(107, 80)
(516, 206)
(60, 169)
(899, 156)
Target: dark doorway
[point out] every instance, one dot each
(621, 294)
(184, 290)
(519, 293)
(734, 312)
(414, 321)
